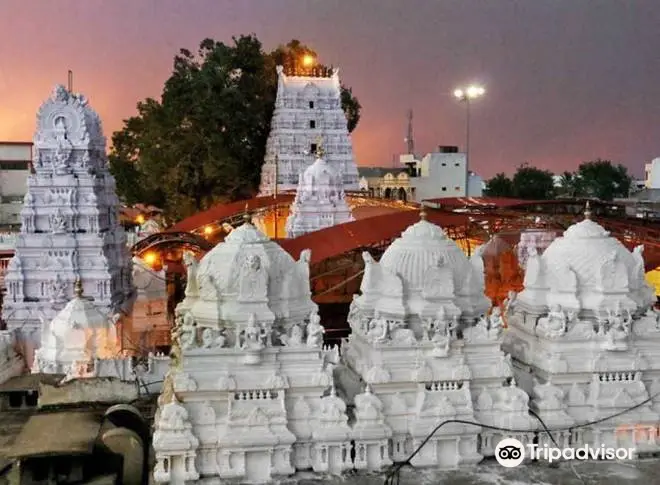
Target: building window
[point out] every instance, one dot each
(444, 189)
(457, 188)
(312, 148)
(456, 164)
(444, 164)
(312, 124)
(311, 105)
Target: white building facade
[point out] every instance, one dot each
(652, 174)
(307, 110)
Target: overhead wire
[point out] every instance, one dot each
(393, 476)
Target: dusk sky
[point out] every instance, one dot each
(566, 80)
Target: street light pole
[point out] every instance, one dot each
(467, 95)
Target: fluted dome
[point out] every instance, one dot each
(584, 248)
(249, 269)
(420, 247)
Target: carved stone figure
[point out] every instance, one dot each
(58, 290)
(315, 331)
(252, 335)
(533, 268)
(58, 223)
(253, 282)
(618, 331)
(190, 262)
(212, 338)
(495, 323)
(554, 324)
(378, 329)
(510, 302)
(438, 281)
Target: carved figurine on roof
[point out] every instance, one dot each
(584, 325)
(320, 201)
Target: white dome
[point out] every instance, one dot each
(419, 248)
(219, 276)
(584, 248)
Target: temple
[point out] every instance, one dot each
(70, 228)
(584, 338)
(76, 340)
(245, 396)
(427, 345)
(320, 200)
(307, 107)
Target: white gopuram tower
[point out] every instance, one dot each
(307, 107)
(70, 226)
(320, 200)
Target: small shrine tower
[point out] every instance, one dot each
(306, 107)
(320, 200)
(70, 226)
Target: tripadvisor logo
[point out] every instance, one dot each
(510, 453)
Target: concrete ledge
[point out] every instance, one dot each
(87, 391)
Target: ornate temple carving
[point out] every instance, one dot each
(307, 107)
(70, 237)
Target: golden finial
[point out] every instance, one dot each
(422, 213)
(319, 147)
(78, 288)
(587, 211)
(247, 218)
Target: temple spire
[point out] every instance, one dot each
(423, 213)
(78, 288)
(247, 217)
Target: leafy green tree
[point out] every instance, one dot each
(570, 185)
(204, 142)
(499, 186)
(604, 180)
(532, 183)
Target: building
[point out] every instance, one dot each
(307, 112)
(15, 165)
(584, 339)
(437, 175)
(69, 223)
(652, 174)
(320, 200)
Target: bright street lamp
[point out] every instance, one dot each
(467, 95)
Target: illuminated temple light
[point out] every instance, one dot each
(150, 258)
(140, 219)
(208, 230)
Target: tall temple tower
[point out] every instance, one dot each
(70, 226)
(307, 107)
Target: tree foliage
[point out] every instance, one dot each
(603, 180)
(204, 142)
(499, 186)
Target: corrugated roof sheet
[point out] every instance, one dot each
(480, 201)
(223, 211)
(337, 240)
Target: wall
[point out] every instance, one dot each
(441, 175)
(653, 174)
(14, 163)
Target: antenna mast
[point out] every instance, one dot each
(410, 140)
(70, 81)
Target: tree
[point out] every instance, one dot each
(499, 186)
(532, 183)
(604, 180)
(570, 185)
(204, 142)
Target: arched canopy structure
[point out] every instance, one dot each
(161, 240)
